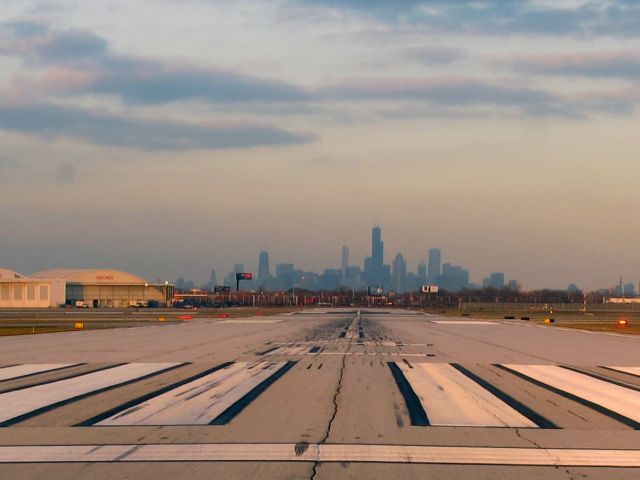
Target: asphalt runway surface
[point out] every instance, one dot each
(322, 394)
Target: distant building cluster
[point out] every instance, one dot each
(375, 272)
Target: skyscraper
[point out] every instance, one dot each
(399, 274)
(422, 273)
(263, 266)
(213, 279)
(375, 272)
(344, 265)
(377, 246)
(454, 278)
(496, 280)
(285, 275)
(435, 257)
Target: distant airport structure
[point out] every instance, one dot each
(90, 288)
(20, 291)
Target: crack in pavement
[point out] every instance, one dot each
(529, 440)
(316, 463)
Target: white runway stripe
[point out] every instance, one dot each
(631, 370)
(451, 399)
(19, 402)
(252, 321)
(623, 401)
(16, 371)
(463, 322)
(322, 453)
(297, 350)
(200, 401)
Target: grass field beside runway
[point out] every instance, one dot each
(16, 322)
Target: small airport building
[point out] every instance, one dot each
(20, 291)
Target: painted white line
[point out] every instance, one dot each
(451, 399)
(200, 401)
(463, 322)
(19, 402)
(613, 397)
(591, 332)
(631, 370)
(251, 321)
(299, 350)
(16, 371)
(373, 354)
(290, 452)
(366, 343)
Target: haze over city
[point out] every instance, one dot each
(170, 139)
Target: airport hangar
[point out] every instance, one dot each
(94, 288)
(20, 291)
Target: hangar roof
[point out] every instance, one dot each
(91, 276)
(6, 274)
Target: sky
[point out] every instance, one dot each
(171, 138)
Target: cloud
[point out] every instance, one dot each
(25, 28)
(72, 45)
(86, 56)
(65, 173)
(434, 55)
(149, 83)
(81, 63)
(498, 17)
(459, 97)
(101, 128)
(615, 64)
(35, 41)
(443, 91)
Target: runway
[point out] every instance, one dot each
(322, 394)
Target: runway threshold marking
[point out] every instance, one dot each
(612, 400)
(417, 414)
(604, 378)
(535, 417)
(215, 398)
(451, 398)
(18, 405)
(287, 452)
(25, 370)
(148, 396)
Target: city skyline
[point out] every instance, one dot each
(397, 275)
(433, 261)
(434, 258)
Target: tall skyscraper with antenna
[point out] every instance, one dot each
(344, 264)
